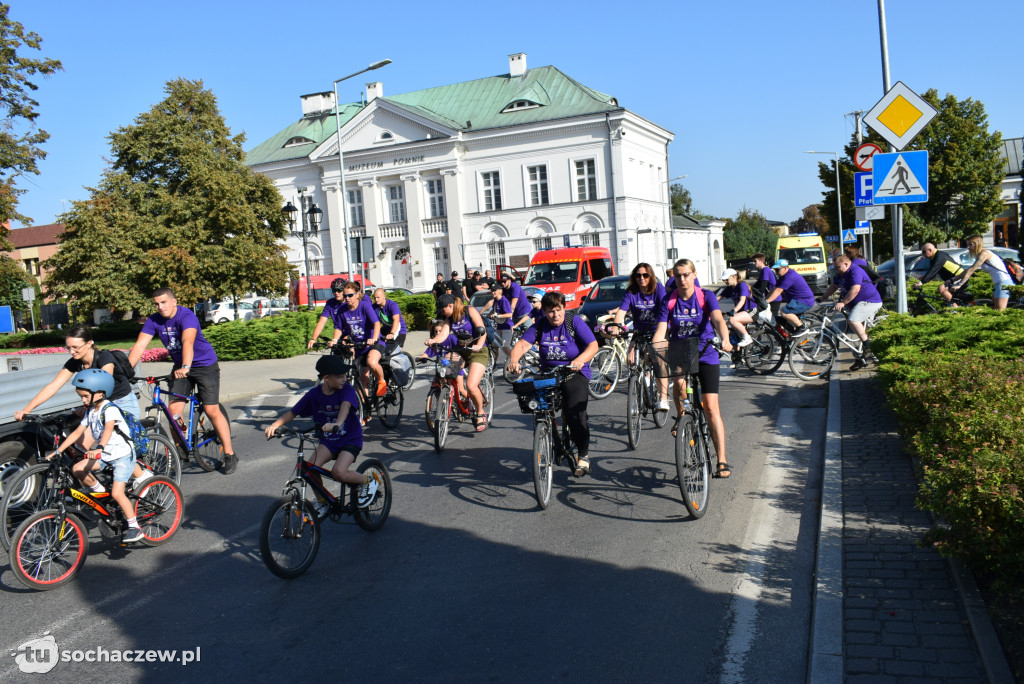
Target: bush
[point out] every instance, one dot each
(417, 310)
(273, 337)
(952, 379)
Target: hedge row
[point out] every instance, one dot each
(108, 332)
(954, 381)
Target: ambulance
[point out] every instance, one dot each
(569, 270)
(806, 255)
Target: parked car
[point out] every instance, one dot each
(605, 296)
(272, 306)
(223, 311)
(916, 265)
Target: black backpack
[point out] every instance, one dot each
(122, 364)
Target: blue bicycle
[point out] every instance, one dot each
(193, 434)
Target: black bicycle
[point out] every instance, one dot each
(388, 406)
(642, 388)
(541, 395)
(290, 531)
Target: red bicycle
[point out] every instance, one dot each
(444, 400)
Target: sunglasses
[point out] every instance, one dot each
(349, 294)
(643, 275)
(337, 291)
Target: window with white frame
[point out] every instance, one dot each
(435, 198)
(492, 190)
(590, 239)
(538, 176)
(441, 260)
(672, 254)
(307, 203)
(396, 203)
(541, 243)
(586, 180)
(355, 208)
(496, 254)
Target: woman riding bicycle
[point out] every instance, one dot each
(84, 354)
(743, 308)
(991, 264)
(354, 318)
(559, 348)
(644, 301)
(466, 324)
(693, 312)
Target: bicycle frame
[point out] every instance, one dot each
(187, 437)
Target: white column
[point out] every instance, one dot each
(453, 205)
(336, 254)
(380, 272)
(414, 217)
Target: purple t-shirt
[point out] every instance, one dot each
(856, 275)
(323, 408)
(767, 276)
(686, 318)
(645, 309)
(514, 291)
(356, 323)
(556, 347)
(536, 314)
(795, 288)
(734, 292)
(447, 344)
(503, 306)
(523, 308)
(170, 330)
(386, 315)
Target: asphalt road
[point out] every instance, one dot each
(469, 580)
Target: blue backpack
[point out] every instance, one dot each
(136, 433)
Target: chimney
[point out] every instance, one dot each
(374, 90)
(517, 64)
(317, 103)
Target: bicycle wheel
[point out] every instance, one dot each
(542, 462)
(487, 390)
(693, 467)
(289, 536)
(412, 372)
(605, 369)
(812, 357)
(430, 408)
(765, 354)
(389, 407)
(32, 490)
(373, 515)
(511, 377)
(47, 551)
(659, 417)
(634, 403)
(207, 444)
(159, 510)
(14, 457)
(441, 419)
(162, 458)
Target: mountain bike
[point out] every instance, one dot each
(50, 546)
(193, 433)
(813, 355)
(642, 389)
(290, 529)
(30, 489)
(542, 396)
(387, 407)
(607, 364)
(528, 364)
(444, 400)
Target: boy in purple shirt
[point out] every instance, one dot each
(331, 404)
(195, 364)
(796, 294)
(863, 299)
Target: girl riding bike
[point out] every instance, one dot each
(644, 301)
(466, 324)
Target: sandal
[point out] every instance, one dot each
(481, 423)
(723, 467)
(675, 424)
(582, 467)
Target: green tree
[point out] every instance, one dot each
(810, 221)
(20, 139)
(178, 208)
(13, 278)
(748, 234)
(682, 202)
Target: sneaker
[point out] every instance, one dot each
(799, 332)
(368, 492)
(859, 363)
(662, 405)
(747, 339)
(382, 388)
(137, 483)
(132, 535)
(322, 508)
(228, 463)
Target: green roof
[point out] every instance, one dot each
(468, 106)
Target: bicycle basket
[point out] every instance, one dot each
(453, 367)
(541, 391)
(676, 359)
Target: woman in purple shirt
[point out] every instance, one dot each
(644, 301)
(743, 306)
(693, 312)
(465, 323)
(558, 348)
(359, 323)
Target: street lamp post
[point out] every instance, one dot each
(341, 161)
(839, 206)
(314, 215)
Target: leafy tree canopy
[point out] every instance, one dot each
(20, 140)
(810, 221)
(13, 279)
(682, 202)
(748, 234)
(178, 208)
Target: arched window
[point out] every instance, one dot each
(385, 137)
(519, 105)
(298, 140)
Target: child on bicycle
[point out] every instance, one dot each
(109, 443)
(331, 404)
(447, 346)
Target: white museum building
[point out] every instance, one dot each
(476, 174)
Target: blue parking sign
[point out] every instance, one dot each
(863, 189)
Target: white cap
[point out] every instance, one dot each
(728, 273)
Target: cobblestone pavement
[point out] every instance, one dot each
(903, 619)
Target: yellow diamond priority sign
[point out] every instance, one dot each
(900, 115)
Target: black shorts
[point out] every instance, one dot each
(205, 378)
(709, 374)
(396, 342)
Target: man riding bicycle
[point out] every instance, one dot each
(863, 299)
(944, 265)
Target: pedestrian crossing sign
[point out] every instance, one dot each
(901, 178)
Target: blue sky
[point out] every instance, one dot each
(745, 86)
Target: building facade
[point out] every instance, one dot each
(472, 175)
(1006, 226)
(34, 245)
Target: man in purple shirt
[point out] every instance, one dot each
(195, 364)
(392, 325)
(863, 299)
(513, 290)
(795, 293)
